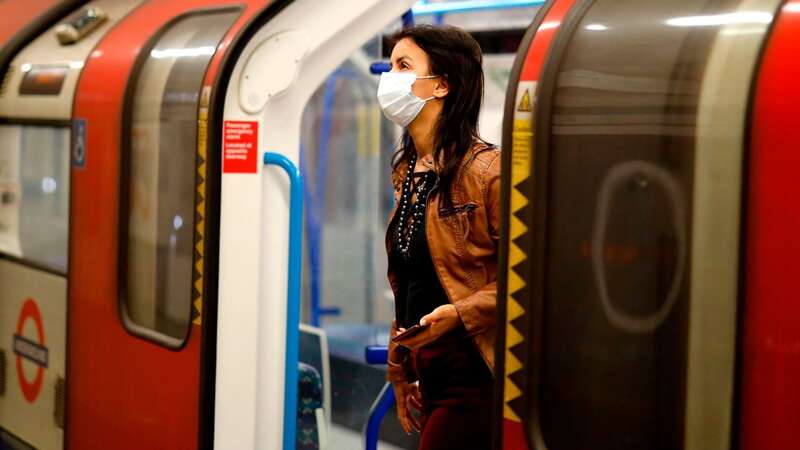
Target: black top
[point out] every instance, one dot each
(419, 290)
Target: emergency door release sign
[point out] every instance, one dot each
(240, 147)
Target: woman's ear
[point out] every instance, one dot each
(442, 87)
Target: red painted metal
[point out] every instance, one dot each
(770, 392)
(123, 392)
(514, 434)
(15, 16)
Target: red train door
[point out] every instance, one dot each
(621, 260)
(35, 162)
(517, 194)
(771, 347)
(142, 250)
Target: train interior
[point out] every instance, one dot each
(346, 148)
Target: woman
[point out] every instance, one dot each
(442, 239)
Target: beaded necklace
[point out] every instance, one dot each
(410, 216)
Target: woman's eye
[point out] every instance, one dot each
(404, 66)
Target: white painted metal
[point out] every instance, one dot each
(32, 421)
(285, 50)
(254, 223)
(323, 425)
(46, 51)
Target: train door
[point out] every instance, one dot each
(261, 213)
(621, 246)
(143, 235)
(35, 158)
(516, 248)
(770, 349)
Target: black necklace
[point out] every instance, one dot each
(410, 217)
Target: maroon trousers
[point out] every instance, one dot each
(457, 395)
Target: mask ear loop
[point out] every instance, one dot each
(425, 78)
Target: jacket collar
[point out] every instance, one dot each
(399, 175)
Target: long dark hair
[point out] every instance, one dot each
(456, 56)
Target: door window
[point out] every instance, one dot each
(165, 183)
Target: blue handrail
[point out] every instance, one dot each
(379, 409)
(379, 67)
(377, 354)
(293, 301)
(425, 9)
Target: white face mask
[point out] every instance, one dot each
(398, 103)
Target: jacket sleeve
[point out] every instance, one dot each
(478, 311)
(399, 361)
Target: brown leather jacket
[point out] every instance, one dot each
(463, 243)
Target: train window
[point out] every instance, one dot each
(34, 194)
(161, 184)
(624, 142)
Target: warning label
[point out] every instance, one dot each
(240, 145)
(526, 96)
(525, 103)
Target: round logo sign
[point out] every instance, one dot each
(34, 351)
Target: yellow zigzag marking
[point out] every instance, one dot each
(520, 171)
(198, 305)
(200, 226)
(509, 414)
(515, 255)
(513, 365)
(515, 283)
(517, 228)
(513, 337)
(518, 201)
(512, 391)
(514, 310)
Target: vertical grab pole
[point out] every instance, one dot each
(293, 300)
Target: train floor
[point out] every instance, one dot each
(344, 438)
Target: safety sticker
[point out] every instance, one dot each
(525, 103)
(34, 351)
(240, 145)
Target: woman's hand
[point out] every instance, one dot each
(407, 396)
(439, 322)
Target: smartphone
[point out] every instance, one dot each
(408, 333)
